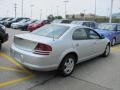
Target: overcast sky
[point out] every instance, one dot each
(49, 6)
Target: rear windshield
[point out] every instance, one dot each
(51, 31)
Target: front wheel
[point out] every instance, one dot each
(67, 65)
(0, 45)
(113, 42)
(107, 51)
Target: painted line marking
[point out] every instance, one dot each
(30, 75)
(12, 69)
(14, 62)
(15, 81)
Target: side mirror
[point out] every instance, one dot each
(102, 36)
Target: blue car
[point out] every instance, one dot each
(111, 31)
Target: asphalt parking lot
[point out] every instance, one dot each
(96, 74)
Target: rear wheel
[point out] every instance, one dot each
(67, 65)
(107, 51)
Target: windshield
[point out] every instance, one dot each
(22, 21)
(109, 27)
(51, 31)
(76, 22)
(57, 21)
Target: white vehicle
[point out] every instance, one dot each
(16, 25)
(58, 47)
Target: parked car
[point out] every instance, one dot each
(7, 20)
(2, 20)
(58, 47)
(67, 21)
(17, 25)
(3, 35)
(111, 31)
(8, 23)
(90, 24)
(24, 26)
(36, 25)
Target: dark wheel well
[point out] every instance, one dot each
(114, 38)
(109, 44)
(74, 54)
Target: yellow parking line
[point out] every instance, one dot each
(12, 69)
(30, 75)
(14, 62)
(15, 81)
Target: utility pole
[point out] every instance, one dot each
(15, 6)
(31, 6)
(111, 8)
(66, 7)
(7, 13)
(84, 13)
(95, 11)
(40, 14)
(22, 8)
(46, 13)
(57, 10)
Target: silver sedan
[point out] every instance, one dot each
(58, 47)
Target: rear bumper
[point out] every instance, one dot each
(33, 61)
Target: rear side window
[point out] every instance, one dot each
(79, 34)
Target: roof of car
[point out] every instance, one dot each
(83, 21)
(109, 23)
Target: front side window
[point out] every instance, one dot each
(92, 34)
(80, 34)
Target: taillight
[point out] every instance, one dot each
(42, 49)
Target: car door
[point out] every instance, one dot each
(99, 44)
(82, 44)
(118, 33)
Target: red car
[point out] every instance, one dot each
(36, 25)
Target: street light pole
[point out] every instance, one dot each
(31, 9)
(40, 14)
(111, 8)
(15, 6)
(22, 8)
(57, 10)
(95, 11)
(66, 7)
(84, 13)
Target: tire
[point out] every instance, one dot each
(107, 51)
(67, 65)
(113, 42)
(0, 45)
